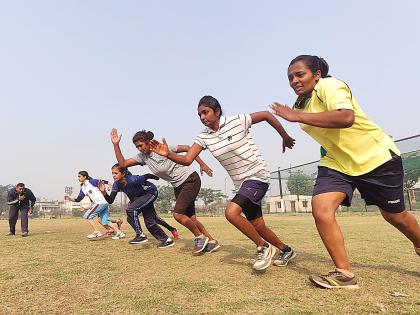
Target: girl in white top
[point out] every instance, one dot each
(230, 142)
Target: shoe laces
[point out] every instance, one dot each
(260, 253)
(332, 274)
(197, 242)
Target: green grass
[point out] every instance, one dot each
(58, 271)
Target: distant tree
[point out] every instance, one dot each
(209, 195)
(300, 183)
(165, 198)
(411, 177)
(3, 198)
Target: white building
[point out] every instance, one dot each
(289, 203)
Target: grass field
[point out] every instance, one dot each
(58, 271)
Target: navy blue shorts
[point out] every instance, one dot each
(382, 187)
(249, 198)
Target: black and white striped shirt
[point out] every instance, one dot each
(233, 146)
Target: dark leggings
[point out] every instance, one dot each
(163, 223)
(144, 204)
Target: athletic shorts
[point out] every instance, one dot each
(101, 210)
(185, 195)
(249, 198)
(382, 187)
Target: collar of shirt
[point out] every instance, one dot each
(222, 122)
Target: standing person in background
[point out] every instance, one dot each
(230, 142)
(356, 153)
(185, 181)
(20, 199)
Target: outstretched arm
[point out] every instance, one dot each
(150, 176)
(187, 159)
(203, 166)
(288, 142)
(115, 139)
(338, 118)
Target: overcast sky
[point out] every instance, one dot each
(72, 70)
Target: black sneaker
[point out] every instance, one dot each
(168, 243)
(211, 246)
(139, 239)
(283, 258)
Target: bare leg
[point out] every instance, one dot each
(324, 207)
(187, 222)
(406, 223)
(266, 233)
(201, 227)
(233, 215)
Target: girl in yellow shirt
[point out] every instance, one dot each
(356, 153)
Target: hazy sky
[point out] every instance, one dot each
(72, 70)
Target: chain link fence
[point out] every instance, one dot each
(291, 188)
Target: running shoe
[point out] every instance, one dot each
(264, 256)
(95, 234)
(118, 236)
(168, 243)
(139, 239)
(335, 280)
(175, 234)
(199, 244)
(211, 246)
(283, 258)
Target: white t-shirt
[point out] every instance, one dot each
(233, 146)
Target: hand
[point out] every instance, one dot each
(101, 187)
(115, 138)
(204, 168)
(285, 112)
(160, 148)
(30, 210)
(288, 142)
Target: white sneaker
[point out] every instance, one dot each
(118, 236)
(95, 234)
(264, 257)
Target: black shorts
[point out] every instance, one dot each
(382, 187)
(249, 198)
(185, 195)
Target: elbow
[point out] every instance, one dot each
(347, 119)
(349, 122)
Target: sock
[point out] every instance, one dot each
(346, 272)
(286, 249)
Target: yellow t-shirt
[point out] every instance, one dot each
(356, 150)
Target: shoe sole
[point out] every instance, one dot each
(269, 262)
(167, 246)
(142, 242)
(213, 250)
(204, 246)
(280, 265)
(327, 286)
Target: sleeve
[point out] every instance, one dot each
(80, 196)
(11, 196)
(32, 198)
(111, 197)
(246, 119)
(94, 182)
(200, 141)
(335, 94)
(139, 158)
(115, 187)
(150, 176)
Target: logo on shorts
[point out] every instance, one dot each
(394, 201)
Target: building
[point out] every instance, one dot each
(289, 203)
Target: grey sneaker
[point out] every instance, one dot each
(10, 234)
(335, 280)
(25, 234)
(283, 258)
(264, 257)
(212, 246)
(199, 244)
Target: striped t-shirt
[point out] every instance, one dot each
(164, 168)
(233, 146)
